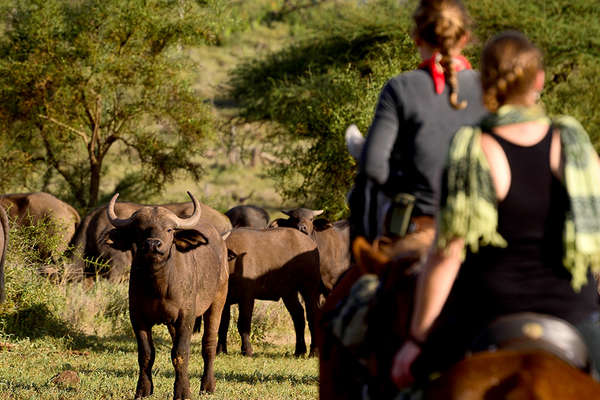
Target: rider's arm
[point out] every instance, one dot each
(375, 158)
(433, 287)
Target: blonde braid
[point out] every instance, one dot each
(509, 64)
(442, 24)
(451, 77)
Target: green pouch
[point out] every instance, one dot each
(401, 210)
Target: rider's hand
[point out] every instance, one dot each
(404, 358)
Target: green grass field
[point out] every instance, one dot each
(108, 370)
(106, 364)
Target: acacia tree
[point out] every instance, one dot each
(82, 78)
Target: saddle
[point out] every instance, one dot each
(532, 331)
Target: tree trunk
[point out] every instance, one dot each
(95, 169)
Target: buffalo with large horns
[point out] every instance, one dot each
(93, 256)
(178, 276)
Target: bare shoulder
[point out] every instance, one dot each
(556, 156)
(499, 167)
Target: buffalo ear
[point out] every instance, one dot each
(119, 239)
(231, 255)
(189, 239)
(321, 224)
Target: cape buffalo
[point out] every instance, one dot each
(333, 241)
(30, 209)
(91, 250)
(271, 264)
(178, 275)
(3, 245)
(248, 216)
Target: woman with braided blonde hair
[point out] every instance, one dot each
(417, 113)
(519, 222)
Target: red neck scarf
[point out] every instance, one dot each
(437, 72)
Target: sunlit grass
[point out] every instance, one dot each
(107, 368)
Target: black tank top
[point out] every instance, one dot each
(528, 274)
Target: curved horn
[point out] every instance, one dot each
(112, 216)
(193, 219)
(317, 212)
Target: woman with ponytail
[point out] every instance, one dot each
(519, 222)
(416, 115)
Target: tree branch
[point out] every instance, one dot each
(96, 131)
(79, 133)
(54, 162)
(88, 113)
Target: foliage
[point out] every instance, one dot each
(15, 163)
(331, 78)
(37, 242)
(32, 307)
(315, 88)
(81, 78)
(42, 301)
(568, 33)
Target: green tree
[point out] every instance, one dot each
(331, 78)
(318, 86)
(82, 78)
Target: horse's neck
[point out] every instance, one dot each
(396, 300)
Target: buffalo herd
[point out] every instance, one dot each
(187, 262)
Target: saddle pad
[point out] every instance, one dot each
(349, 323)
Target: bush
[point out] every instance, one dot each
(42, 302)
(33, 304)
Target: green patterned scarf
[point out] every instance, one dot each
(469, 207)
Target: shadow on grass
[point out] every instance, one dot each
(274, 354)
(36, 322)
(262, 377)
(39, 322)
(127, 344)
(239, 377)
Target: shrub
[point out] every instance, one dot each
(41, 302)
(33, 304)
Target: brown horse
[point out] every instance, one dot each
(503, 374)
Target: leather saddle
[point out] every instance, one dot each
(532, 331)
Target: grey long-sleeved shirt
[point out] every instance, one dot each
(408, 140)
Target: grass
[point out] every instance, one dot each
(88, 336)
(107, 368)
